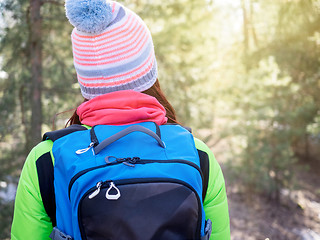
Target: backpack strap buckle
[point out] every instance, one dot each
(207, 230)
(56, 234)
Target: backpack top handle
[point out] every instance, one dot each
(125, 132)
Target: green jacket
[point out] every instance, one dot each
(31, 222)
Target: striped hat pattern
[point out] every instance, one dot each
(112, 48)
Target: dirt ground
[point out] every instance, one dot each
(296, 217)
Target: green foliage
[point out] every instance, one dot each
(275, 98)
(264, 131)
(14, 53)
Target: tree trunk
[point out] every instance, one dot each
(36, 70)
(245, 27)
(254, 35)
(23, 118)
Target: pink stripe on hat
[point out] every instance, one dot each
(123, 30)
(138, 45)
(125, 43)
(115, 58)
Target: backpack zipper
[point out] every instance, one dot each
(129, 162)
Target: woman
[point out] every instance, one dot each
(117, 72)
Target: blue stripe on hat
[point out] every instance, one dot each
(120, 15)
(119, 69)
(140, 84)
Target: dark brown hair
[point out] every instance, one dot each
(154, 91)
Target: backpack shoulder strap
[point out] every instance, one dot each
(55, 135)
(45, 176)
(45, 171)
(204, 165)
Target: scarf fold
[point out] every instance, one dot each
(120, 108)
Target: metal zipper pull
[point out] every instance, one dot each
(96, 192)
(80, 151)
(113, 196)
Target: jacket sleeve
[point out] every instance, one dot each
(30, 220)
(215, 202)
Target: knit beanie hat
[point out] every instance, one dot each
(112, 48)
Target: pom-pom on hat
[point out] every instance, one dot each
(112, 48)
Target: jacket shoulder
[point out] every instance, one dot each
(200, 145)
(29, 211)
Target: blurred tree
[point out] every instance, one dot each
(266, 157)
(6, 214)
(35, 48)
(296, 51)
(184, 41)
(38, 69)
(37, 79)
(276, 96)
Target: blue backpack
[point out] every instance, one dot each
(137, 182)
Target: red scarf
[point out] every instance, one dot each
(121, 107)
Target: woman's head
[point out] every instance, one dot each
(112, 48)
(112, 51)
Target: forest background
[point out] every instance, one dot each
(243, 74)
